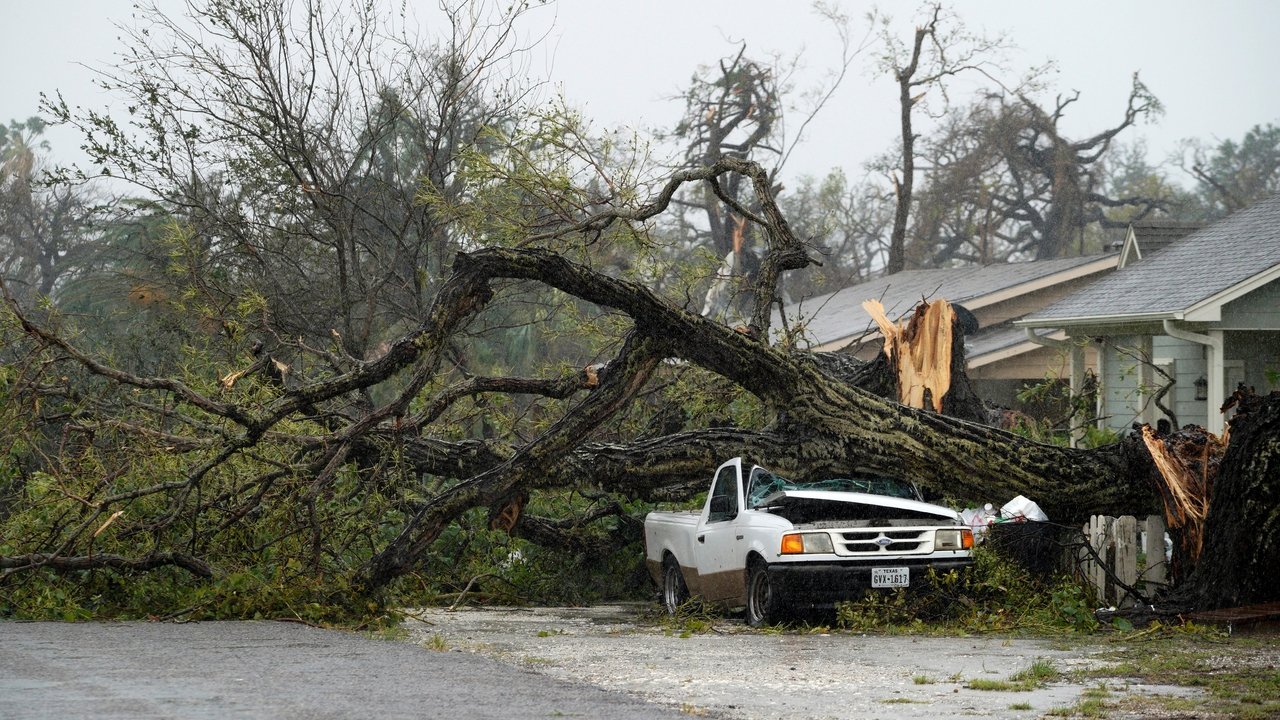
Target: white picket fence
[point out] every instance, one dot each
(1134, 553)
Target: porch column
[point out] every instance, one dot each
(1217, 381)
(1077, 386)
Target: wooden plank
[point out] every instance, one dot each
(1099, 538)
(1126, 565)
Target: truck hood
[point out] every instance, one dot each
(814, 506)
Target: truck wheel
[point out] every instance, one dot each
(674, 591)
(762, 602)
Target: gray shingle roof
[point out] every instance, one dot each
(1155, 235)
(839, 314)
(997, 338)
(1181, 275)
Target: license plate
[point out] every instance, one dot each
(890, 577)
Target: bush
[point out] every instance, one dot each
(995, 594)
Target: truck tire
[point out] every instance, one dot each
(674, 592)
(763, 606)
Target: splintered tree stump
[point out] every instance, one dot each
(1241, 549)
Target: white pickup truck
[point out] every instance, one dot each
(775, 546)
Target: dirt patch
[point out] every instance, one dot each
(730, 670)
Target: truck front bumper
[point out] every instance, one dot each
(822, 585)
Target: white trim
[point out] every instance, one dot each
(1098, 319)
(1130, 247)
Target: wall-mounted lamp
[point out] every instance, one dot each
(1202, 389)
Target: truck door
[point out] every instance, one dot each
(718, 542)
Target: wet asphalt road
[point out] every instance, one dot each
(144, 671)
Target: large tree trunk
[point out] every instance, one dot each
(1240, 559)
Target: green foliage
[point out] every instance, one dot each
(475, 565)
(1234, 174)
(260, 593)
(994, 595)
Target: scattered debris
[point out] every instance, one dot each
(979, 519)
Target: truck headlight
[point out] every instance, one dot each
(953, 540)
(797, 543)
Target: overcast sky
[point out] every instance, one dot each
(1212, 64)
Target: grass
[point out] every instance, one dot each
(1237, 675)
(995, 685)
(1084, 708)
(1038, 675)
(692, 618)
(1020, 706)
(392, 633)
(436, 643)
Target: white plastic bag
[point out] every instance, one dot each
(1021, 509)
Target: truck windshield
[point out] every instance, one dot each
(764, 483)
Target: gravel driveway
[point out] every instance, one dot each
(734, 671)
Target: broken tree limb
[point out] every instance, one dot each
(1187, 464)
(920, 352)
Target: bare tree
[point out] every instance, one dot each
(1006, 184)
(290, 140)
(934, 56)
(46, 230)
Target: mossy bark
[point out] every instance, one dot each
(1240, 558)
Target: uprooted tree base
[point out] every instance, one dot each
(1241, 543)
(827, 417)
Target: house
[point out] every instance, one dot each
(1001, 358)
(1200, 309)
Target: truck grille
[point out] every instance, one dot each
(874, 542)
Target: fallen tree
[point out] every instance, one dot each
(381, 482)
